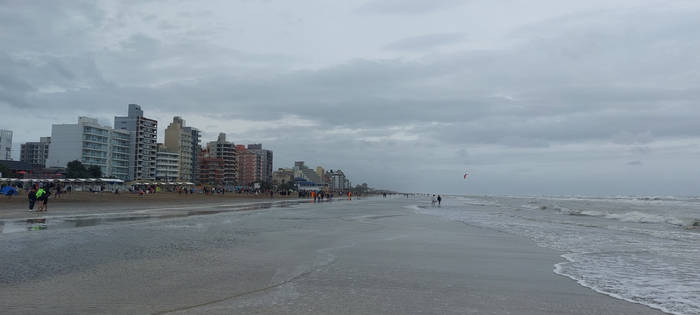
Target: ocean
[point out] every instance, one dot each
(641, 249)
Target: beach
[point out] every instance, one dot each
(365, 256)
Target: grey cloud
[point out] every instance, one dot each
(410, 7)
(427, 41)
(519, 107)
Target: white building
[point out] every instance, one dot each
(167, 165)
(92, 144)
(5, 144)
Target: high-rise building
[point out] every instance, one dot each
(248, 163)
(167, 164)
(321, 174)
(264, 166)
(179, 139)
(282, 176)
(144, 135)
(338, 181)
(225, 150)
(35, 153)
(302, 171)
(92, 144)
(196, 149)
(211, 169)
(6, 144)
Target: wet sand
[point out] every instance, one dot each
(85, 202)
(358, 257)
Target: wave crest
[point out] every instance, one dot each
(631, 216)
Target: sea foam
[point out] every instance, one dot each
(642, 250)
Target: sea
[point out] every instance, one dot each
(644, 250)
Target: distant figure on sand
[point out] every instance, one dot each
(434, 200)
(439, 199)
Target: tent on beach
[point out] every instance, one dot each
(8, 191)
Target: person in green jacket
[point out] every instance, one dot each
(41, 196)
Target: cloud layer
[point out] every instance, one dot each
(400, 94)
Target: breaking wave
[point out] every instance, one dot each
(631, 216)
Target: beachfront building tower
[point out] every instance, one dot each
(338, 181)
(211, 169)
(5, 144)
(196, 149)
(247, 166)
(179, 140)
(264, 162)
(92, 144)
(143, 150)
(35, 153)
(302, 171)
(167, 165)
(226, 151)
(282, 176)
(321, 174)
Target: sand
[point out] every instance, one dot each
(359, 257)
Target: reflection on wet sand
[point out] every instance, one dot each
(66, 222)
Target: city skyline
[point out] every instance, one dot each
(164, 153)
(124, 152)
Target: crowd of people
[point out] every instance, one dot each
(38, 193)
(41, 194)
(322, 195)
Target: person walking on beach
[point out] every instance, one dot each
(433, 201)
(32, 198)
(41, 196)
(439, 199)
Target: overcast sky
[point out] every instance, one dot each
(532, 97)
